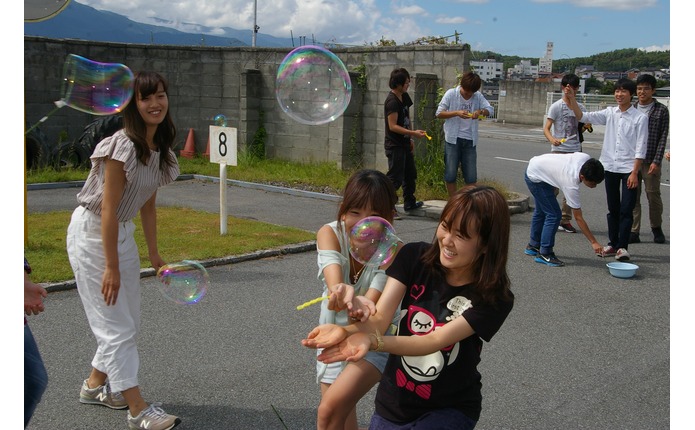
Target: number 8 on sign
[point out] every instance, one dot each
(223, 145)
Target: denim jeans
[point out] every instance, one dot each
(621, 201)
(35, 376)
(440, 419)
(402, 172)
(546, 216)
(463, 153)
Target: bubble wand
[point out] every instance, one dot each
(92, 87)
(312, 302)
(373, 242)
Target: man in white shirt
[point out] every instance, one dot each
(545, 174)
(461, 108)
(624, 149)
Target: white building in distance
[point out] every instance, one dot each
(488, 69)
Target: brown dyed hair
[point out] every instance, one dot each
(369, 188)
(483, 210)
(471, 81)
(146, 84)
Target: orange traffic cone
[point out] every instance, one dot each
(188, 150)
(206, 154)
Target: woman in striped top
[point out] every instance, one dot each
(127, 168)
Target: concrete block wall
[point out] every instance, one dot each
(239, 82)
(523, 102)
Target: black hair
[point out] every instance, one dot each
(593, 171)
(398, 77)
(570, 79)
(626, 84)
(647, 79)
(146, 84)
(369, 188)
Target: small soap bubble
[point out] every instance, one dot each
(312, 85)
(220, 120)
(184, 282)
(96, 88)
(373, 241)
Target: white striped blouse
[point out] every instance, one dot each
(141, 180)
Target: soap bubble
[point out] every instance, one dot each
(185, 282)
(95, 88)
(312, 85)
(373, 241)
(220, 120)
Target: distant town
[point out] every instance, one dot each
(492, 71)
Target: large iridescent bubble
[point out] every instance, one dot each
(312, 85)
(184, 282)
(373, 241)
(95, 88)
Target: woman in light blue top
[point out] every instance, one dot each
(353, 288)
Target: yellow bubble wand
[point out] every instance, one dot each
(312, 302)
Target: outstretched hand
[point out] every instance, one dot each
(353, 348)
(341, 298)
(324, 336)
(362, 309)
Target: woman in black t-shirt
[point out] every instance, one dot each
(453, 294)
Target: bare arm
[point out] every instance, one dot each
(548, 134)
(571, 102)
(394, 127)
(114, 184)
(148, 216)
(584, 227)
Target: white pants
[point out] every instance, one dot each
(115, 327)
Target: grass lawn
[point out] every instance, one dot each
(47, 254)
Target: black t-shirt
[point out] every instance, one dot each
(413, 386)
(391, 105)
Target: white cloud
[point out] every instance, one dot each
(655, 48)
(410, 10)
(606, 4)
(451, 20)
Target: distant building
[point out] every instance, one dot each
(489, 69)
(545, 63)
(523, 71)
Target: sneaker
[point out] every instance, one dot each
(153, 418)
(396, 215)
(634, 238)
(102, 395)
(607, 251)
(532, 250)
(567, 227)
(658, 235)
(549, 259)
(622, 255)
(413, 206)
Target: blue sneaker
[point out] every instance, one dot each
(532, 250)
(549, 260)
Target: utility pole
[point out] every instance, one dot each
(255, 27)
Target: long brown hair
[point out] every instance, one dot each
(484, 210)
(369, 188)
(145, 84)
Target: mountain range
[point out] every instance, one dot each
(78, 21)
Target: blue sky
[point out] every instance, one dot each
(510, 27)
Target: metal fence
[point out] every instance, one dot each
(594, 102)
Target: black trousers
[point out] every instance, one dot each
(402, 172)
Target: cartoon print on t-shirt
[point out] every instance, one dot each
(423, 369)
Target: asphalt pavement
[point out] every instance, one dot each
(581, 349)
